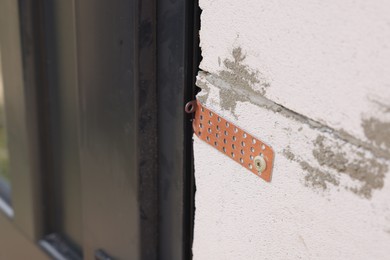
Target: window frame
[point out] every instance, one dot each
(165, 193)
(19, 80)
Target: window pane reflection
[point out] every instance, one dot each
(5, 186)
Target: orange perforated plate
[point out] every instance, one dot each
(231, 140)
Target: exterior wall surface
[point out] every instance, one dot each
(312, 80)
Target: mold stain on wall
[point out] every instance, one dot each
(237, 82)
(229, 95)
(239, 75)
(315, 177)
(367, 172)
(318, 178)
(377, 131)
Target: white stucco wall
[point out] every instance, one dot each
(312, 80)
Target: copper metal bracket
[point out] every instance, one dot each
(231, 140)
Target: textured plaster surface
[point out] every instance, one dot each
(333, 57)
(312, 80)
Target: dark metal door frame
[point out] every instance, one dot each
(148, 60)
(117, 80)
(136, 67)
(178, 58)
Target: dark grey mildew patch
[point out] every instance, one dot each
(315, 177)
(288, 154)
(230, 95)
(377, 131)
(239, 76)
(318, 178)
(236, 82)
(349, 168)
(326, 156)
(360, 170)
(368, 171)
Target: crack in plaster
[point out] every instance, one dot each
(237, 83)
(385, 108)
(241, 76)
(236, 74)
(255, 98)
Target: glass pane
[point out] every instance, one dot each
(5, 186)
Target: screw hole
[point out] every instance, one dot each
(234, 138)
(263, 147)
(232, 154)
(243, 144)
(242, 152)
(208, 139)
(253, 141)
(209, 130)
(250, 166)
(235, 130)
(215, 143)
(251, 157)
(224, 149)
(217, 135)
(190, 107)
(227, 124)
(219, 119)
(226, 133)
(201, 117)
(244, 135)
(211, 113)
(233, 146)
(252, 149)
(241, 160)
(210, 122)
(224, 141)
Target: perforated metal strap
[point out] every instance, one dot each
(231, 140)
